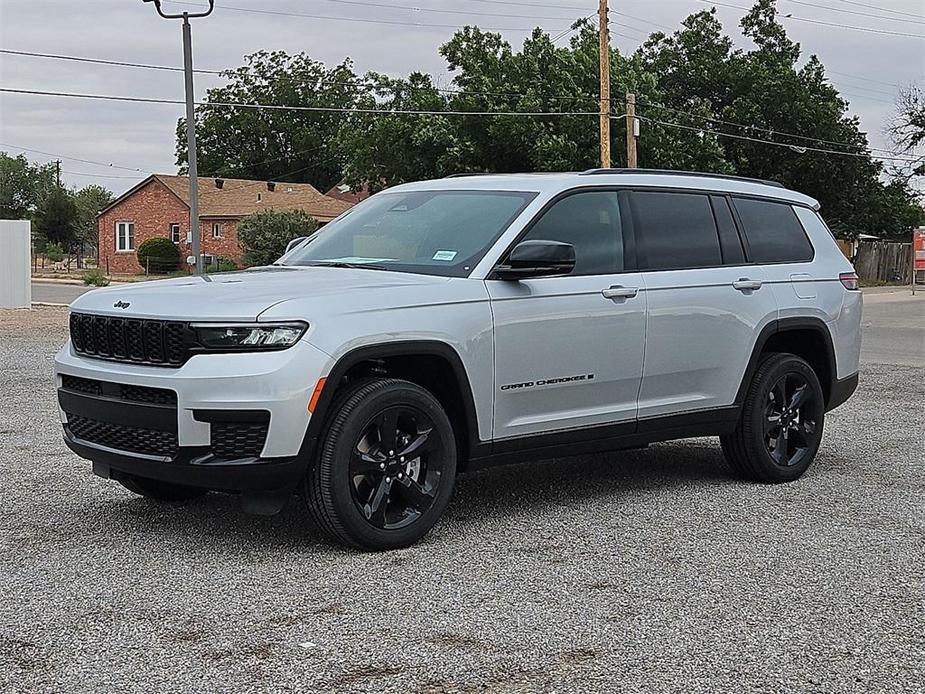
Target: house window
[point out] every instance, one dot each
(125, 236)
(216, 230)
(259, 197)
(175, 233)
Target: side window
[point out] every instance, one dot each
(676, 230)
(591, 223)
(175, 233)
(774, 232)
(729, 239)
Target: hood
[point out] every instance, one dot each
(239, 296)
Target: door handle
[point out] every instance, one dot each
(746, 285)
(618, 292)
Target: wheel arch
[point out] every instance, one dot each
(432, 364)
(808, 338)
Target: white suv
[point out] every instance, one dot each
(449, 324)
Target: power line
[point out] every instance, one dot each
(469, 13)
(62, 156)
(318, 109)
(102, 61)
(822, 22)
(800, 149)
(770, 131)
(882, 9)
(854, 12)
(99, 175)
(363, 20)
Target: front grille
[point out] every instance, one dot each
(142, 341)
(123, 391)
(238, 439)
(124, 438)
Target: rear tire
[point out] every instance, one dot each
(782, 421)
(386, 466)
(157, 490)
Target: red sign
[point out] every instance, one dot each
(918, 242)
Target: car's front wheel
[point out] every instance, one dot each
(781, 424)
(386, 466)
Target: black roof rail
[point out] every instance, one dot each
(670, 172)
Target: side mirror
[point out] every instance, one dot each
(295, 242)
(537, 259)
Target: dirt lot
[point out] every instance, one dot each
(650, 571)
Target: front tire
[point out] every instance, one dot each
(781, 424)
(386, 466)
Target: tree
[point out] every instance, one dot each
(56, 219)
(908, 128)
(302, 147)
(90, 200)
(158, 255)
(263, 235)
(22, 185)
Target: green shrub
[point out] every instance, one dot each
(263, 236)
(222, 265)
(54, 252)
(158, 255)
(95, 278)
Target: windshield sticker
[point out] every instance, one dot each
(445, 255)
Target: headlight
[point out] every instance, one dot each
(250, 337)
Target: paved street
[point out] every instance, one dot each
(51, 292)
(644, 571)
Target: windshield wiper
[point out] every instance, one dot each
(352, 266)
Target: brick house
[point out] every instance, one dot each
(159, 206)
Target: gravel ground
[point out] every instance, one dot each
(650, 571)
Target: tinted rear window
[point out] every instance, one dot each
(774, 232)
(676, 230)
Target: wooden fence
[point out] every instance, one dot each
(884, 261)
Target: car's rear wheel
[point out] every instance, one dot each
(386, 466)
(782, 421)
(158, 490)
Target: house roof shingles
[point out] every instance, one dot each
(238, 197)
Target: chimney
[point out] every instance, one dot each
(271, 186)
(219, 182)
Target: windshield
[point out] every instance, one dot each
(429, 232)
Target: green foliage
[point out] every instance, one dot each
(54, 252)
(95, 278)
(239, 142)
(222, 265)
(158, 255)
(263, 236)
(90, 200)
(693, 88)
(56, 219)
(23, 186)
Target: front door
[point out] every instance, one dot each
(569, 350)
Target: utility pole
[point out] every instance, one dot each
(58, 172)
(195, 231)
(631, 134)
(604, 34)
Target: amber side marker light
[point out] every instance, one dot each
(313, 403)
(850, 281)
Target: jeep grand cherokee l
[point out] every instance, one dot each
(449, 324)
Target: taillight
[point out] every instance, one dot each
(850, 281)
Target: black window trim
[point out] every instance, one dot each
(630, 252)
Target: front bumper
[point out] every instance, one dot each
(175, 439)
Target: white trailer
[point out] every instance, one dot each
(15, 257)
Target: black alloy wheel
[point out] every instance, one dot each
(396, 467)
(782, 420)
(790, 427)
(385, 467)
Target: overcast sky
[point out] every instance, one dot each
(864, 66)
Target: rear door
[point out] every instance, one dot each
(706, 304)
(569, 350)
